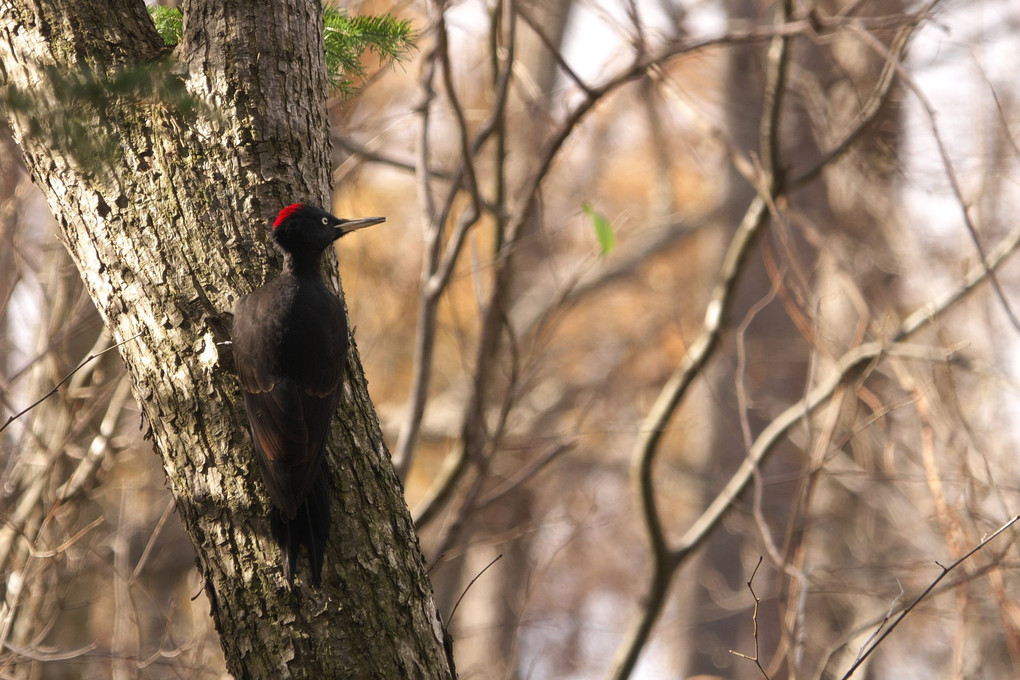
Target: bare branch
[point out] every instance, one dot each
(664, 560)
(63, 380)
(947, 164)
(439, 261)
(754, 624)
(477, 576)
(927, 591)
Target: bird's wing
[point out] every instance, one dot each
(289, 418)
(289, 428)
(278, 432)
(318, 412)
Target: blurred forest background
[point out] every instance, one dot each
(743, 388)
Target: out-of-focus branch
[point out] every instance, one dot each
(872, 105)
(866, 652)
(554, 51)
(524, 476)
(846, 367)
(849, 365)
(770, 184)
(456, 465)
(879, 622)
(434, 285)
(947, 163)
(84, 474)
(425, 336)
(664, 561)
(440, 261)
(920, 318)
(590, 281)
(368, 154)
(62, 381)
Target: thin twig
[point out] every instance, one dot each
(754, 624)
(881, 626)
(151, 543)
(995, 562)
(947, 165)
(453, 611)
(850, 365)
(664, 561)
(909, 608)
(556, 54)
(63, 380)
(525, 475)
(373, 156)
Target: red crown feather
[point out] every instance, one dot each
(285, 213)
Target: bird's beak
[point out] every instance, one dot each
(347, 226)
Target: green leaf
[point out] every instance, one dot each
(169, 23)
(603, 229)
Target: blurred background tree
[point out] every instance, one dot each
(630, 244)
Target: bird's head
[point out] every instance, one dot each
(308, 229)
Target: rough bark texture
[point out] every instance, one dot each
(167, 233)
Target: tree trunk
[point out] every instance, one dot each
(162, 169)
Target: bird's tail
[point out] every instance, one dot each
(310, 527)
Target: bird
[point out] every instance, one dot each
(290, 346)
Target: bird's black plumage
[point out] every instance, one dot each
(290, 349)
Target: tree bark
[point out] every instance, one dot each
(163, 207)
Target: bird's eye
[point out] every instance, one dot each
(325, 220)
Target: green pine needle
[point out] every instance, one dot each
(346, 39)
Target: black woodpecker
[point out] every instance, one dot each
(290, 348)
